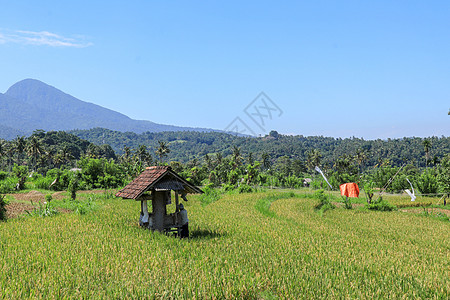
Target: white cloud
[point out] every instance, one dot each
(41, 38)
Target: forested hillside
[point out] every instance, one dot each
(219, 159)
(186, 146)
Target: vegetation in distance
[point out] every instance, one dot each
(55, 159)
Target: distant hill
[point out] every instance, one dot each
(31, 104)
(186, 146)
(9, 133)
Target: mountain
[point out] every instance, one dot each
(31, 104)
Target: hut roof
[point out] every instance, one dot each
(156, 178)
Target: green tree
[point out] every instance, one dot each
(34, 149)
(266, 163)
(3, 150)
(313, 159)
(443, 175)
(208, 162)
(251, 161)
(21, 173)
(19, 147)
(143, 155)
(426, 145)
(162, 151)
(427, 182)
(236, 156)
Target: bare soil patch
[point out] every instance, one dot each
(15, 209)
(34, 196)
(58, 195)
(430, 210)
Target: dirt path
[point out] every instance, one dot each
(25, 201)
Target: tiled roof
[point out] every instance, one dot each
(161, 176)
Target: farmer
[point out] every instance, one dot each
(184, 222)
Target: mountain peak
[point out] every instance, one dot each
(28, 83)
(31, 104)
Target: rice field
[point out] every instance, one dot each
(268, 245)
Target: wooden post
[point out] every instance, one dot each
(177, 210)
(159, 210)
(144, 211)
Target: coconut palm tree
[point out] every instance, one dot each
(427, 145)
(3, 149)
(236, 156)
(34, 149)
(313, 159)
(266, 163)
(19, 146)
(142, 153)
(162, 150)
(361, 158)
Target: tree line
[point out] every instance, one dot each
(56, 159)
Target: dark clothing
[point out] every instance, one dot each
(184, 231)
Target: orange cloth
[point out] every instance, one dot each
(350, 189)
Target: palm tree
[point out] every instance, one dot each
(251, 161)
(142, 153)
(361, 157)
(162, 150)
(236, 156)
(266, 163)
(208, 161)
(126, 154)
(219, 158)
(427, 145)
(9, 151)
(313, 159)
(34, 149)
(2, 149)
(19, 147)
(66, 154)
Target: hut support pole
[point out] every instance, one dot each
(177, 210)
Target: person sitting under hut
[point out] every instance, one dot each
(184, 222)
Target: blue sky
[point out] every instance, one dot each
(375, 69)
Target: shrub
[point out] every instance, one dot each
(7, 185)
(347, 203)
(427, 182)
(381, 205)
(3, 175)
(324, 201)
(83, 207)
(45, 209)
(48, 198)
(73, 188)
(443, 176)
(21, 173)
(228, 187)
(210, 195)
(43, 183)
(369, 190)
(2, 208)
(244, 188)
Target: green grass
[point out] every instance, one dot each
(257, 246)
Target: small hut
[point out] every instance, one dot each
(155, 184)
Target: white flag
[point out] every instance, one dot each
(321, 173)
(413, 197)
